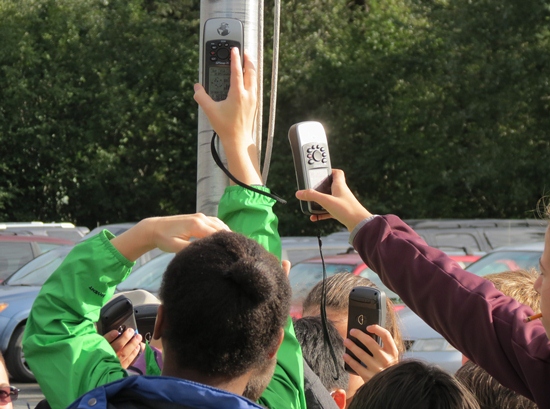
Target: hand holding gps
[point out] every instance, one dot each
(311, 161)
(220, 36)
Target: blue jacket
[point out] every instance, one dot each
(165, 389)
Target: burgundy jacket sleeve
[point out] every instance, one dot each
(467, 310)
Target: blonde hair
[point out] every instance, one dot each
(338, 288)
(518, 284)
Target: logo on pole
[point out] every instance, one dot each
(223, 30)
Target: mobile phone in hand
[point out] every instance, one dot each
(367, 306)
(117, 314)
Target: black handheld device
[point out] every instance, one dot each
(220, 36)
(308, 142)
(146, 315)
(117, 314)
(367, 306)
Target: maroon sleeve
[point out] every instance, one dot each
(467, 310)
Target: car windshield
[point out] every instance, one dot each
(304, 276)
(38, 270)
(149, 276)
(500, 261)
(372, 276)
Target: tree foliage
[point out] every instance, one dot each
(97, 122)
(434, 108)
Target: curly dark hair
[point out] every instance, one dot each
(225, 301)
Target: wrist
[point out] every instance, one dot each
(357, 218)
(136, 241)
(237, 144)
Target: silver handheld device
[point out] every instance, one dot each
(308, 142)
(220, 36)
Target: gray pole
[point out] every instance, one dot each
(211, 181)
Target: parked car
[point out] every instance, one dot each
(425, 343)
(17, 294)
(294, 249)
(16, 251)
(149, 276)
(67, 231)
(304, 275)
(524, 256)
(474, 236)
(299, 248)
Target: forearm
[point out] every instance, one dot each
(242, 160)
(466, 309)
(136, 241)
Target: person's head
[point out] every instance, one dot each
(317, 354)
(518, 284)
(413, 385)
(490, 393)
(7, 393)
(542, 284)
(225, 300)
(337, 289)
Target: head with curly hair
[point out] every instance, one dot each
(225, 300)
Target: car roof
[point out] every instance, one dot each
(537, 246)
(27, 239)
(473, 223)
(10, 225)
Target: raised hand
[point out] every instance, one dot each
(170, 234)
(342, 205)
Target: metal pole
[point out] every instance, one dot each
(211, 181)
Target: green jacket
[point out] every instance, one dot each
(68, 356)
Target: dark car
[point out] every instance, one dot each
(16, 251)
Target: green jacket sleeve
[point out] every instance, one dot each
(61, 345)
(251, 214)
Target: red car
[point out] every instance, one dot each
(16, 251)
(304, 275)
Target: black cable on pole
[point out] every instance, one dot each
(220, 164)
